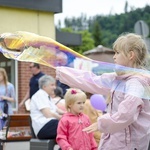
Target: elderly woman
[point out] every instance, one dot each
(44, 113)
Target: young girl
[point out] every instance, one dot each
(7, 96)
(69, 133)
(126, 126)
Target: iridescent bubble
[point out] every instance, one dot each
(30, 47)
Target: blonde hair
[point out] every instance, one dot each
(132, 42)
(72, 95)
(4, 74)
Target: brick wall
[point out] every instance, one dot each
(24, 76)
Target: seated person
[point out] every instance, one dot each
(63, 86)
(44, 113)
(58, 99)
(93, 115)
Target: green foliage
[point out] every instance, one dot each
(105, 29)
(87, 42)
(77, 24)
(97, 34)
(70, 30)
(126, 7)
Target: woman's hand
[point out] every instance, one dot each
(10, 99)
(4, 97)
(93, 127)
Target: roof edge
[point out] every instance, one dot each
(41, 5)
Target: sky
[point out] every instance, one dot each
(74, 8)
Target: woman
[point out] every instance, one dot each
(7, 96)
(58, 98)
(44, 113)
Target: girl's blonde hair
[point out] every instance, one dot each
(72, 95)
(132, 42)
(4, 74)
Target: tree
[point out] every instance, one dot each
(111, 26)
(87, 42)
(126, 7)
(97, 34)
(59, 24)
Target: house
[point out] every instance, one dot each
(34, 16)
(102, 54)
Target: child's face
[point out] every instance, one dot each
(121, 59)
(77, 107)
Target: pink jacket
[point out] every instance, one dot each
(70, 134)
(126, 126)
